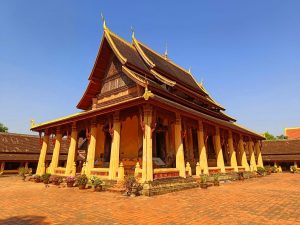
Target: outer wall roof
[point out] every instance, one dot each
(281, 150)
(24, 143)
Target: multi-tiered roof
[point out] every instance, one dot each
(166, 83)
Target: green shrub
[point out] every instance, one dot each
(45, 178)
(82, 180)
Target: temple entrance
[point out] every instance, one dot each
(107, 149)
(211, 154)
(225, 154)
(160, 146)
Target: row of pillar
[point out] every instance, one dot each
(147, 168)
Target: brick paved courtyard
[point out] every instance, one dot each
(270, 200)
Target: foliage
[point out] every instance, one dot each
(22, 171)
(261, 170)
(3, 128)
(56, 179)
(269, 137)
(216, 177)
(70, 179)
(271, 169)
(96, 181)
(281, 137)
(82, 180)
(203, 178)
(46, 178)
(132, 186)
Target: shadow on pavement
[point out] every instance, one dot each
(25, 220)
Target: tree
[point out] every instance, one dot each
(281, 137)
(3, 128)
(269, 136)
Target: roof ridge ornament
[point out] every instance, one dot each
(103, 20)
(190, 69)
(166, 51)
(132, 32)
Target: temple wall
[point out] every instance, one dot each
(129, 138)
(99, 142)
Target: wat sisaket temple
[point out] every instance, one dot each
(145, 115)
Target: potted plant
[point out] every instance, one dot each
(241, 175)
(132, 186)
(203, 182)
(23, 172)
(81, 181)
(45, 178)
(70, 181)
(293, 169)
(216, 180)
(97, 183)
(37, 178)
(56, 180)
(261, 171)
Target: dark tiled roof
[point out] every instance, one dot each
(169, 68)
(24, 143)
(281, 147)
(281, 150)
(26, 157)
(129, 52)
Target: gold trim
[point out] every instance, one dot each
(141, 52)
(133, 76)
(114, 48)
(57, 120)
(162, 78)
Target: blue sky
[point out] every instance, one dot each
(246, 52)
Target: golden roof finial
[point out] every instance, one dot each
(103, 20)
(132, 32)
(32, 123)
(166, 51)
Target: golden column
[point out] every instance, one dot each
(253, 165)
(147, 167)
(2, 167)
(55, 155)
(243, 156)
(179, 147)
(91, 149)
(233, 162)
(202, 149)
(41, 165)
(115, 147)
(71, 153)
(258, 153)
(219, 153)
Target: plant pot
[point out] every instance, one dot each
(98, 188)
(216, 183)
(81, 186)
(70, 184)
(203, 186)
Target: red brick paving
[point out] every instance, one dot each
(269, 200)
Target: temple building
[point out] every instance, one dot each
(23, 150)
(284, 152)
(142, 114)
